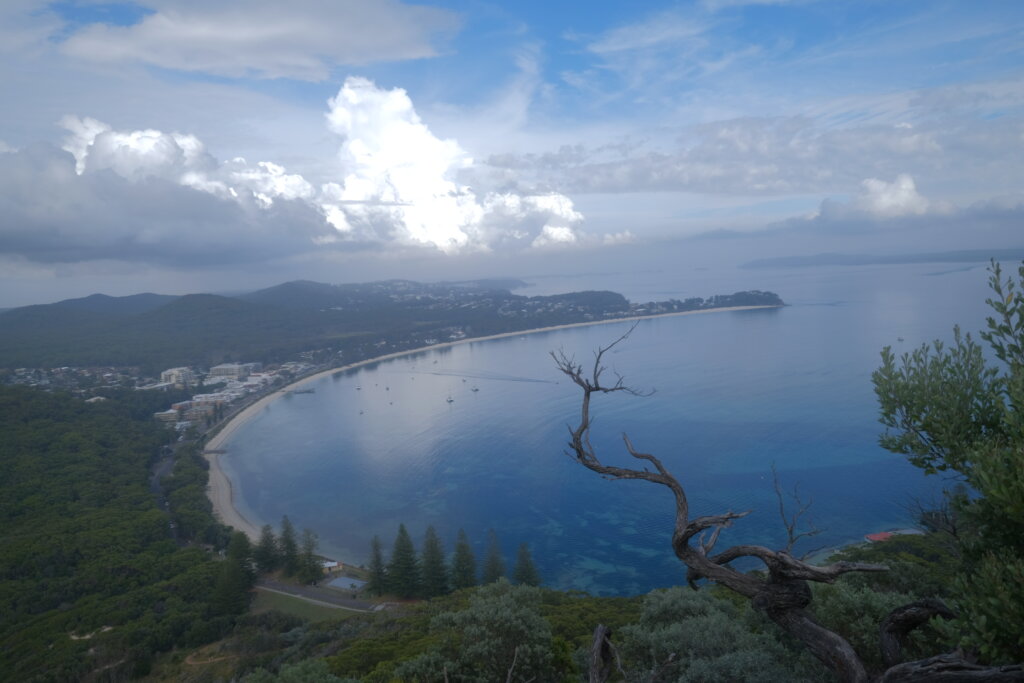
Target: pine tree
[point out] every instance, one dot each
(266, 553)
(310, 569)
(435, 572)
(494, 563)
(289, 547)
(378, 572)
(404, 569)
(464, 564)
(525, 572)
(231, 592)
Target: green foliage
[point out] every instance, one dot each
(289, 547)
(404, 569)
(855, 612)
(191, 509)
(501, 631)
(686, 635)
(464, 563)
(525, 572)
(309, 567)
(995, 612)
(938, 403)
(231, 594)
(920, 565)
(377, 582)
(947, 409)
(266, 554)
(435, 571)
(307, 671)
(494, 563)
(89, 575)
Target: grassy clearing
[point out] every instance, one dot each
(266, 601)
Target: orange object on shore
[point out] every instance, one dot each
(880, 536)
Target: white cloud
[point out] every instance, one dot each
(555, 234)
(401, 178)
(303, 39)
(898, 198)
(133, 154)
(879, 205)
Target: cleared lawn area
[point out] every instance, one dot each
(267, 600)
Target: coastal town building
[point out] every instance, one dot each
(239, 371)
(179, 377)
(168, 416)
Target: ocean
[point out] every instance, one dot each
(735, 393)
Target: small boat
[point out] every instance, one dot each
(451, 400)
(475, 389)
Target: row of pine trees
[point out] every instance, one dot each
(427, 575)
(295, 555)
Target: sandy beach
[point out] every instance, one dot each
(220, 490)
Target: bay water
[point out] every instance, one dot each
(735, 393)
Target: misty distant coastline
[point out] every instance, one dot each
(830, 259)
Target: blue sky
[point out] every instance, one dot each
(184, 144)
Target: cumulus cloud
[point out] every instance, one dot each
(158, 196)
(402, 178)
(898, 198)
(133, 154)
(882, 206)
(302, 39)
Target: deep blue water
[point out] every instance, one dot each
(735, 393)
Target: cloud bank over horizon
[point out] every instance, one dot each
(156, 196)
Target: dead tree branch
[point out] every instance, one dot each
(791, 523)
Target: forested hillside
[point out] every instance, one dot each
(276, 324)
(91, 582)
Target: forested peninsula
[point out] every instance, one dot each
(329, 323)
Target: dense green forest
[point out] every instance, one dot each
(92, 584)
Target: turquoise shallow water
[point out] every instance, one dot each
(735, 392)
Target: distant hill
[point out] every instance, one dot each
(101, 303)
(154, 332)
(192, 328)
(308, 294)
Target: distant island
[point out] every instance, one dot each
(324, 325)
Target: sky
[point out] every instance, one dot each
(183, 145)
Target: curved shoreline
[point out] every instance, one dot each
(220, 490)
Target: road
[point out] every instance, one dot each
(316, 594)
